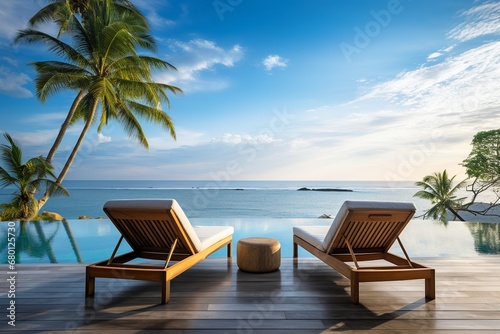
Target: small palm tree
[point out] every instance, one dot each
(27, 177)
(439, 189)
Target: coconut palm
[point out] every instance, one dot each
(27, 178)
(64, 14)
(113, 80)
(439, 189)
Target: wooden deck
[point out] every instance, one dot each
(213, 297)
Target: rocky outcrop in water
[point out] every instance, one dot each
(323, 189)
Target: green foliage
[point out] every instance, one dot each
(484, 160)
(64, 12)
(438, 188)
(27, 178)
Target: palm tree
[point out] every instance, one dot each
(439, 189)
(27, 177)
(113, 80)
(64, 14)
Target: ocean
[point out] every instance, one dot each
(229, 199)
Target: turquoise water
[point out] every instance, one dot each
(88, 241)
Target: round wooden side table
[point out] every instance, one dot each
(258, 254)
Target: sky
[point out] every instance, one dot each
(284, 90)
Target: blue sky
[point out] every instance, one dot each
(286, 90)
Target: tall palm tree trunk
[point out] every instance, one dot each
(60, 135)
(64, 126)
(72, 156)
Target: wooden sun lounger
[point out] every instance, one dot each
(365, 231)
(156, 229)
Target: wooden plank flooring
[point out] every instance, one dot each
(214, 297)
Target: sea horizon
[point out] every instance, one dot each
(230, 198)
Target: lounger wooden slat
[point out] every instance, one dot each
(365, 231)
(156, 229)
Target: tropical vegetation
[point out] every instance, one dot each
(98, 57)
(26, 178)
(440, 190)
(483, 170)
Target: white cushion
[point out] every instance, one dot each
(313, 235)
(208, 235)
(186, 224)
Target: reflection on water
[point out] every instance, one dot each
(486, 237)
(88, 241)
(34, 240)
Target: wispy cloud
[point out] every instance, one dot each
(151, 7)
(14, 15)
(185, 137)
(450, 84)
(45, 118)
(272, 61)
(229, 138)
(479, 21)
(34, 139)
(199, 56)
(13, 84)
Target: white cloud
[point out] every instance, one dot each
(35, 138)
(229, 138)
(273, 61)
(14, 15)
(185, 137)
(44, 118)
(102, 138)
(196, 57)
(151, 9)
(448, 86)
(13, 83)
(480, 20)
(434, 55)
(159, 21)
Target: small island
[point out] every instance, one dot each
(322, 189)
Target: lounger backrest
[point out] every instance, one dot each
(368, 226)
(153, 224)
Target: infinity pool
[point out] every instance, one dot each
(87, 241)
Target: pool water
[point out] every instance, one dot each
(88, 241)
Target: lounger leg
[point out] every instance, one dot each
(230, 249)
(354, 287)
(430, 286)
(165, 292)
(89, 285)
(295, 250)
